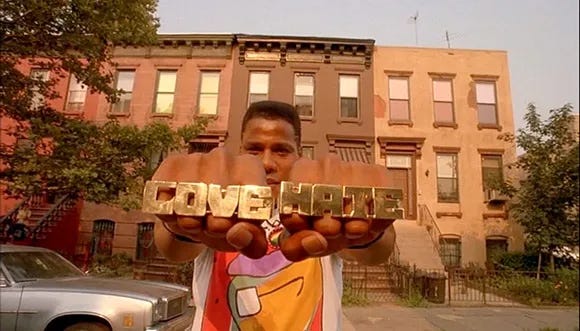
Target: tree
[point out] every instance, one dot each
(56, 154)
(104, 164)
(65, 36)
(546, 200)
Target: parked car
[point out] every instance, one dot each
(41, 290)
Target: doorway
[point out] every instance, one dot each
(401, 175)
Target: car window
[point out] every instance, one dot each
(27, 266)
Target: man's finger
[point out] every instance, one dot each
(303, 244)
(248, 238)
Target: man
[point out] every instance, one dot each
(254, 275)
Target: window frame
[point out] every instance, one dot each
(249, 95)
(216, 94)
(114, 105)
(436, 122)
(313, 96)
(145, 252)
(407, 78)
(500, 168)
(84, 89)
(495, 104)
(497, 239)
(455, 155)
(106, 227)
(157, 92)
(451, 240)
(340, 97)
(38, 98)
(308, 147)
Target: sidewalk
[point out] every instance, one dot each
(393, 317)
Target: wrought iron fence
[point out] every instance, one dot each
(392, 282)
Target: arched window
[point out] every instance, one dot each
(495, 246)
(145, 243)
(103, 234)
(450, 250)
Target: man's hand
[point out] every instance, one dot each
(309, 236)
(222, 168)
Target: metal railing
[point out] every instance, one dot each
(426, 219)
(54, 214)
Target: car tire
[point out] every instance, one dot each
(87, 326)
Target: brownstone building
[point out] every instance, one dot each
(182, 78)
(431, 117)
(329, 80)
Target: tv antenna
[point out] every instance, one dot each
(413, 20)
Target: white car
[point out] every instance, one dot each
(41, 290)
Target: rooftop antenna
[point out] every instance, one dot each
(447, 39)
(413, 20)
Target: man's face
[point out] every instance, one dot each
(273, 141)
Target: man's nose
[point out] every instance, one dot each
(269, 162)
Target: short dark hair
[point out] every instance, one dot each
(274, 110)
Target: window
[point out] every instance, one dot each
(209, 92)
(494, 247)
(43, 76)
(125, 80)
(102, 241)
(201, 147)
(77, 93)
(447, 183)
(348, 96)
(443, 101)
(259, 86)
(308, 152)
(450, 251)
(304, 94)
(486, 103)
(399, 99)
(156, 158)
(166, 80)
(491, 170)
(145, 244)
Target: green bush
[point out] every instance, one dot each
(112, 266)
(558, 288)
(415, 299)
(520, 261)
(351, 296)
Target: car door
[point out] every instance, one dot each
(9, 303)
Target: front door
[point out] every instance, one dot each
(400, 175)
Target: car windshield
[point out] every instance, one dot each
(28, 266)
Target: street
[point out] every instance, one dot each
(393, 317)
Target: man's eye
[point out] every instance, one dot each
(253, 151)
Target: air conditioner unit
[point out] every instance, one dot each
(495, 196)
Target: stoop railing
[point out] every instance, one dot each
(426, 219)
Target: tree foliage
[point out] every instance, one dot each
(106, 163)
(65, 36)
(546, 200)
(59, 154)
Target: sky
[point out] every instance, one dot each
(541, 37)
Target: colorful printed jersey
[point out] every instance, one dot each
(235, 293)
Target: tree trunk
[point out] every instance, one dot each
(539, 264)
(552, 267)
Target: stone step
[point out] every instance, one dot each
(415, 245)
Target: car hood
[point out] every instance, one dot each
(144, 290)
